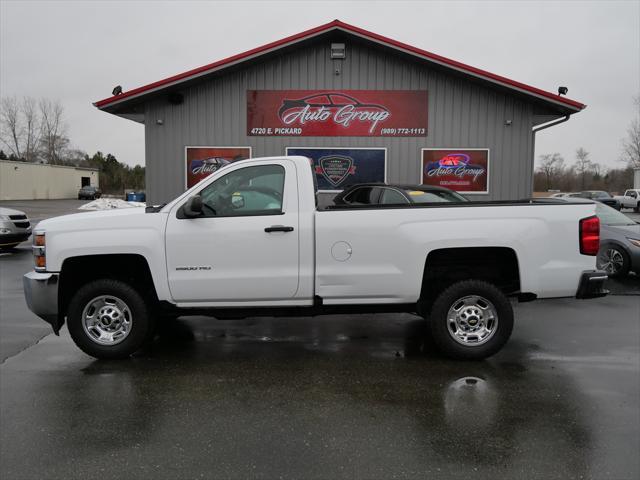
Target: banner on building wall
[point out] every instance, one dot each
(337, 168)
(200, 162)
(335, 113)
(465, 170)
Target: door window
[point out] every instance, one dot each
(247, 191)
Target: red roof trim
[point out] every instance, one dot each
(358, 31)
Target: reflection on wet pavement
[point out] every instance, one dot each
(333, 397)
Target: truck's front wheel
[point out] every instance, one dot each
(109, 319)
(471, 320)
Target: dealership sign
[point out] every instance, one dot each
(332, 113)
(462, 170)
(201, 162)
(336, 168)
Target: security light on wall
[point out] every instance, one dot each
(338, 51)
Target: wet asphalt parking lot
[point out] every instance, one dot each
(328, 397)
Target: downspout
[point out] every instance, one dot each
(536, 129)
(550, 124)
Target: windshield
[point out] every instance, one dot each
(435, 196)
(613, 218)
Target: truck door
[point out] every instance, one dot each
(244, 247)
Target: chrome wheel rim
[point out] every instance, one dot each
(610, 260)
(107, 320)
(472, 320)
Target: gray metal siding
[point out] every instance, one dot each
(462, 113)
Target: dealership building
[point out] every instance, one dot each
(363, 107)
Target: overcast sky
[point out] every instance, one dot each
(78, 51)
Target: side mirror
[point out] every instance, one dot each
(193, 207)
(237, 201)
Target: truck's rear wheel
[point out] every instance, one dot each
(471, 320)
(109, 319)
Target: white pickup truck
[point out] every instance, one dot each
(249, 240)
(630, 199)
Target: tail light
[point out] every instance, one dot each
(589, 235)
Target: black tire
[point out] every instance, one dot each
(142, 322)
(602, 259)
(637, 209)
(444, 338)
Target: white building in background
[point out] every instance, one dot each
(636, 178)
(34, 181)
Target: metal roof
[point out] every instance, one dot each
(172, 81)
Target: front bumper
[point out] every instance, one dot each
(41, 294)
(13, 238)
(592, 285)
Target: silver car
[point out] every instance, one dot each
(619, 242)
(619, 251)
(15, 228)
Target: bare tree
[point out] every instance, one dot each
(53, 130)
(631, 144)
(32, 129)
(10, 125)
(583, 165)
(551, 164)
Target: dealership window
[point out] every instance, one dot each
(244, 192)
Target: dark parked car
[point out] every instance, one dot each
(619, 243)
(383, 194)
(619, 238)
(88, 192)
(599, 196)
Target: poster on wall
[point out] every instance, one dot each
(465, 170)
(337, 168)
(335, 113)
(200, 162)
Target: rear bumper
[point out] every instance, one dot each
(41, 294)
(592, 285)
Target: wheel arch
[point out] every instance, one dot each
(132, 269)
(612, 242)
(497, 265)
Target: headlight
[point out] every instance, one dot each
(39, 251)
(4, 218)
(634, 241)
